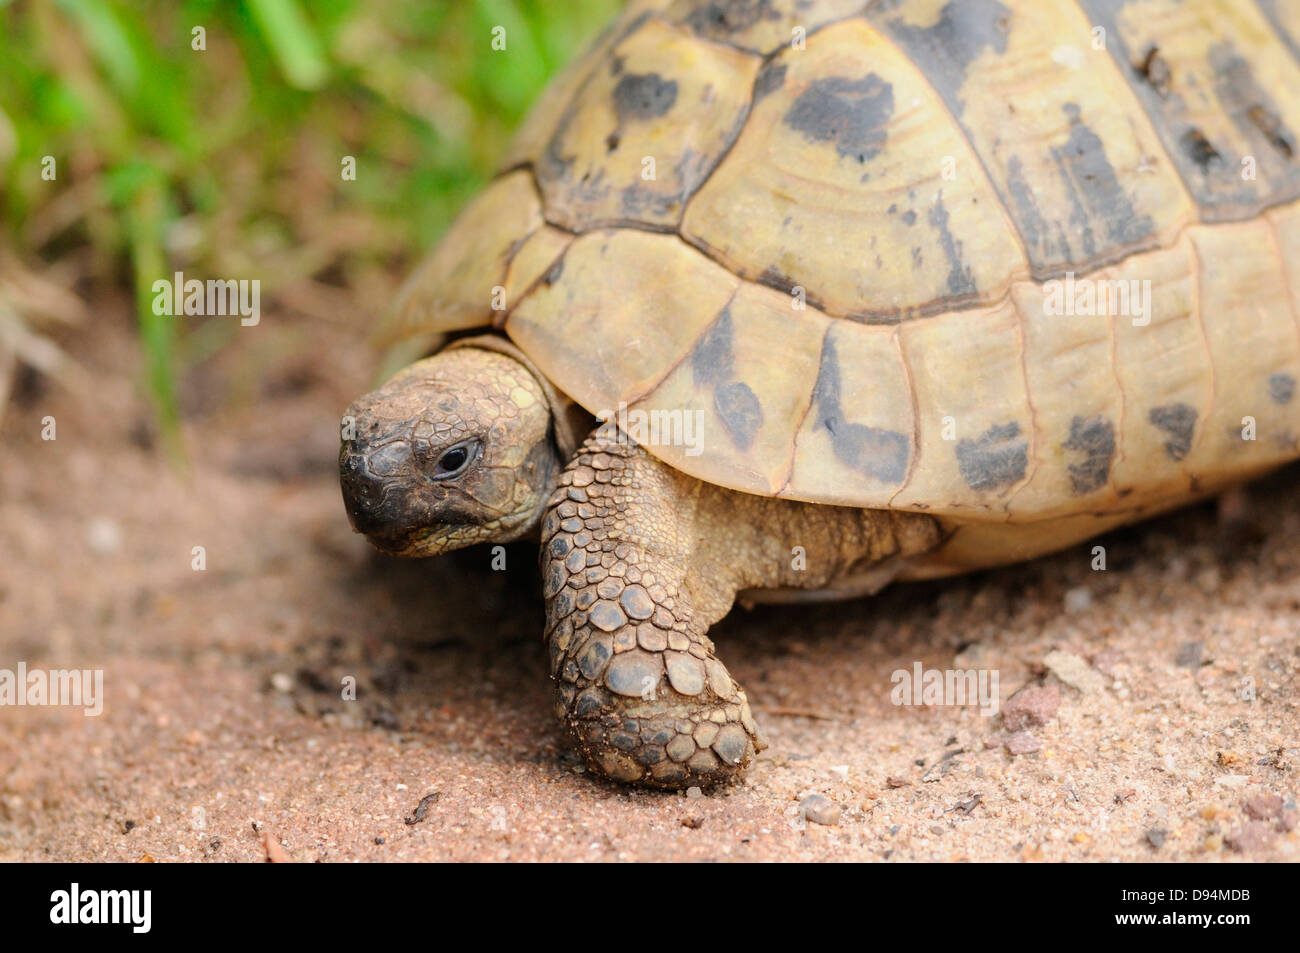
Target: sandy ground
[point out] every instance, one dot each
(224, 736)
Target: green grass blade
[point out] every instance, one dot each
(285, 30)
(108, 41)
(157, 332)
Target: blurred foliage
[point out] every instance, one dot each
(225, 162)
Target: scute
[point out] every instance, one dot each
(1251, 344)
(1218, 84)
(824, 191)
(858, 436)
(540, 124)
(453, 287)
(625, 307)
(977, 441)
(1052, 121)
(645, 130)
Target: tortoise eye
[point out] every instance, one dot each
(455, 459)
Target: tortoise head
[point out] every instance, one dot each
(455, 449)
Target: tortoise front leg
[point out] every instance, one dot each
(638, 561)
(640, 688)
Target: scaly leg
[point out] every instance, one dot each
(638, 561)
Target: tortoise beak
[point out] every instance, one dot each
(375, 495)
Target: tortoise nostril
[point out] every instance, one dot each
(352, 465)
(363, 496)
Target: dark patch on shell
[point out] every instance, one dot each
(1281, 387)
(1094, 437)
(553, 273)
(713, 359)
(960, 280)
(996, 458)
(1033, 227)
(641, 96)
(1251, 108)
(770, 78)
(713, 363)
(1155, 71)
(740, 411)
(1201, 151)
(1088, 172)
(883, 454)
(636, 201)
(1274, 130)
(852, 114)
(774, 278)
(719, 19)
(964, 30)
(1179, 422)
(551, 165)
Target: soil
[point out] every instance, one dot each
(224, 734)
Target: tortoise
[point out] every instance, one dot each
(795, 298)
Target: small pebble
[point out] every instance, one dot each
(820, 810)
(1156, 837)
(104, 536)
(1078, 599)
(1074, 671)
(1031, 707)
(694, 792)
(282, 682)
(1251, 836)
(1265, 807)
(1022, 742)
(1189, 655)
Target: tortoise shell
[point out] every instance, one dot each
(1002, 261)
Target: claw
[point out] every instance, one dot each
(671, 741)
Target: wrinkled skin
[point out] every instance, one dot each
(638, 559)
(454, 450)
